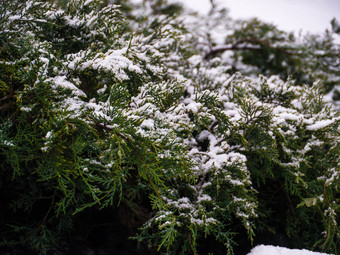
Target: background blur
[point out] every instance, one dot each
(290, 15)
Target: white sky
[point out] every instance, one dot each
(290, 15)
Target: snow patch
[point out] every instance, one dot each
(275, 250)
(321, 124)
(61, 81)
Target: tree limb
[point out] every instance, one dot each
(246, 44)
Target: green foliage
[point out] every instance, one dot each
(113, 108)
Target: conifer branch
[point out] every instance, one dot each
(251, 44)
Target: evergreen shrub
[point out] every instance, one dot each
(104, 109)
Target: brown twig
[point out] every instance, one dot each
(4, 107)
(7, 96)
(48, 211)
(289, 199)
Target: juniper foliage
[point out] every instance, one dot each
(123, 107)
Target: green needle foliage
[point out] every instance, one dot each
(122, 109)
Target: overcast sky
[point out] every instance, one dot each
(290, 15)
